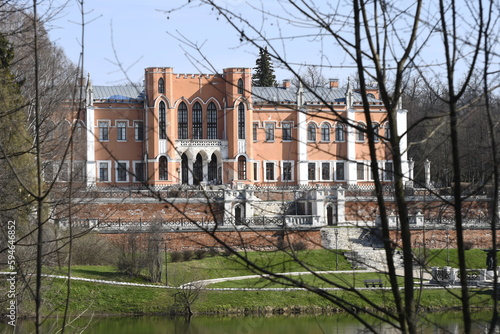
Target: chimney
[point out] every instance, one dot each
(334, 83)
(286, 83)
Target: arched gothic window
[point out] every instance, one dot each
(242, 168)
(212, 121)
(339, 132)
(240, 86)
(162, 121)
(311, 132)
(163, 168)
(325, 132)
(197, 124)
(161, 86)
(241, 121)
(183, 121)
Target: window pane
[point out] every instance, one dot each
(241, 121)
(122, 171)
(212, 121)
(183, 121)
(287, 171)
(242, 168)
(197, 118)
(311, 132)
(139, 171)
(122, 130)
(361, 171)
(139, 131)
(269, 171)
(340, 173)
(339, 132)
(269, 131)
(103, 172)
(103, 131)
(311, 171)
(255, 128)
(325, 132)
(163, 168)
(162, 121)
(325, 171)
(287, 131)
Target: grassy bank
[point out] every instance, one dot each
(92, 298)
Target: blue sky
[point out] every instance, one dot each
(139, 35)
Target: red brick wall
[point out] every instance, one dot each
(250, 240)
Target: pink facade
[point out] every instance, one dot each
(218, 129)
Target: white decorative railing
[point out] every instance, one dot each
(201, 143)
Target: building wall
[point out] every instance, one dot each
(251, 156)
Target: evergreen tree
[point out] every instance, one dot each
(264, 72)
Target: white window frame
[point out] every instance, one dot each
(127, 166)
(315, 171)
(119, 129)
(134, 163)
(337, 163)
(283, 127)
(273, 131)
(329, 133)
(292, 170)
(361, 163)
(329, 171)
(108, 123)
(274, 171)
(256, 170)
(359, 133)
(311, 134)
(108, 162)
(78, 169)
(138, 125)
(342, 139)
(255, 131)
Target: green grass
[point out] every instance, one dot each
(474, 258)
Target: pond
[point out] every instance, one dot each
(338, 323)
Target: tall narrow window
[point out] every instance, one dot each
(103, 131)
(311, 171)
(212, 170)
(325, 171)
(121, 172)
(287, 171)
(360, 167)
(183, 121)
(121, 127)
(163, 168)
(198, 169)
(311, 132)
(269, 131)
(197, 121)
(339, 171)
(212, 121)
(240, 86)
(269, 171)
(255, 171)
(387, 132)
(287, 131)
(161, 86)
(139, 130)
(184, 169)
(162, 121)
(360, 132)
(241, 121)
(339, 132)
(255, 127)
(103, 172)
(139, 171)
(389, 171)
(325, 132)
(376, 135)
(242, 168)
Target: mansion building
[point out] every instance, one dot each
(206, 129)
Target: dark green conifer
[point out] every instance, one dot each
(264, 72)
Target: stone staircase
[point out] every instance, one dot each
(361, 247)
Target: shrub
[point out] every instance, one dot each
(200, 254)
(176, 257)
(187, 255)
(299, 246)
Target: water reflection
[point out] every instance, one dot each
(333, 324)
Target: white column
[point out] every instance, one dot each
(91, 163)
(351, 171)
